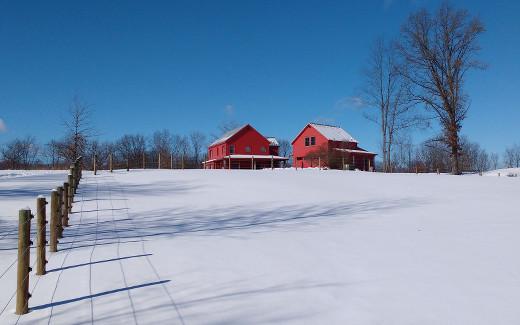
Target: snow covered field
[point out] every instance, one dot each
(283, 246)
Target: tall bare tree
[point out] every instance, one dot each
(78, 129)
(439, 50)
(387, 96)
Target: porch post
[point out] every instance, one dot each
(252, 162)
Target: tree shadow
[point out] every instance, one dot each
(221, 221)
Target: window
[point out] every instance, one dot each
(248, 148)
(263, 149)
(231, 149)
(313, 141)
(306, 142)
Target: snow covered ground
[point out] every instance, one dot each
(283, 246)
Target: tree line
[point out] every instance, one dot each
(80, 139)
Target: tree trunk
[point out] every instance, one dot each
(454, 143)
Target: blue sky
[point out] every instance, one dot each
(189, 65)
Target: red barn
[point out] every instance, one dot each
(243, 148)
(319, 145)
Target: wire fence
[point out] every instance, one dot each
(61, 205)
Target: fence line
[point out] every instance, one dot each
(62, 199)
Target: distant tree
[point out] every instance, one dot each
(101, 152)
(131, 147)
(181, 149)
(78, 130)
(285, 149)
(439, 50)
(403, 154)
(198, 142)
(20, 153)
(483, 161)
(387, 96)
(162, 143)
(512, 156)
(493, 159)
(52, 152)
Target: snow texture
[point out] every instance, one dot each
(333, 133)
(283, 246)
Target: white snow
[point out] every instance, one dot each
(283, 246)
(227, 135)
(507, 172)
(273, 142)
(333, 133)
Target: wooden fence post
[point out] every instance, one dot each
(95, 165)
(171, 161)
(74, 179)
(272, 162)
(65, 220)
(127, 164)
(24, 255)
(60, 211)
(53, 245)
(110, 161)
(70, 194)
(159, 161)
(41, 240)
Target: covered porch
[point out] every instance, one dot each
(245, 162)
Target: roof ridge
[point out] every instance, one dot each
(323, 124)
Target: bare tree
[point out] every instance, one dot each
(162, 143)
(388, 93)
(285, 149)
(52, 153)
(181, 150)
(439, 50)
(20, 153)
(78, 129)
(131, 148)
(198, 142)
(512, 156)
(493, 159)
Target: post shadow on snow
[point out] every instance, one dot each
(219, 221)
(97, 262)
(100, 294)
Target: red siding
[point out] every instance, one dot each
(300, 150)
(247, 137)
(360, 161)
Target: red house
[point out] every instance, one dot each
(243, 148)
(319, 145)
